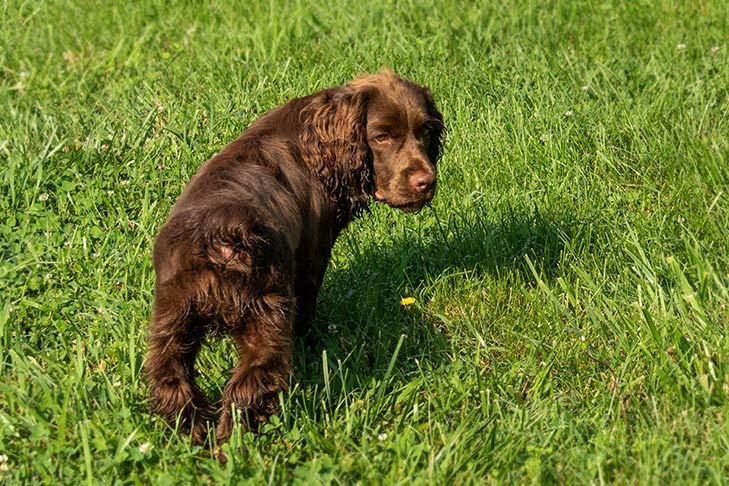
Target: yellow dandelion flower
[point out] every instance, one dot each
(406, 301)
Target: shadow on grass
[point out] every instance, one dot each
(360, 320)
(360, 323)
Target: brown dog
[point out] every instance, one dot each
(245, 248)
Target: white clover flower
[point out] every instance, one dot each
(681, 46)
(43, 197)
(381, 437)
(568, 113)
(585, 88)
(145, 448)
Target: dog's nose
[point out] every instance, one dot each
(421, 181)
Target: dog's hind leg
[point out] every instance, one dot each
(174, 341)
(265, 343)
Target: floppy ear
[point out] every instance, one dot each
(334, 146)
(436, 128)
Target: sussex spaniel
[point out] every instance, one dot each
(245, 247)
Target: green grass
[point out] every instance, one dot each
(572, 276)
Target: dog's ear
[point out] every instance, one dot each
(334, 146)
(436, 128)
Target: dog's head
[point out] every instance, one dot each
(404, 132)
(379, 135)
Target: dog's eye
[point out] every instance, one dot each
(382, 137)
(426, 136)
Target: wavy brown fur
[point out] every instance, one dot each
(245, 247)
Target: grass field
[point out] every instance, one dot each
(571, 278)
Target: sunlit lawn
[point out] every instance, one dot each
(566, 313)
